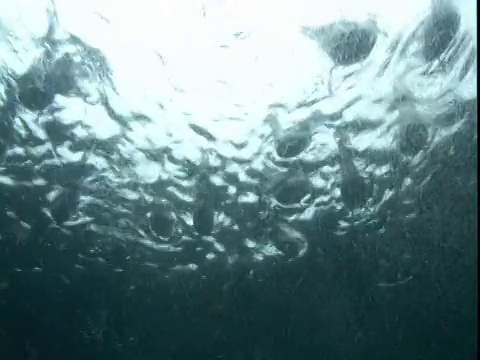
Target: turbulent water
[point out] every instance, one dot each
(212, 134)
(172, 137)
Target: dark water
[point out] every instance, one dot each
(334, 258)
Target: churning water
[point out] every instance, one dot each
(156, 139)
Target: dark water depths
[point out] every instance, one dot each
(241, 192)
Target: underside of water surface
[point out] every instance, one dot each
(322, 156)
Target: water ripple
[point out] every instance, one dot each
(240, 146)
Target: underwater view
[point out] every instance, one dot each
(238, 180)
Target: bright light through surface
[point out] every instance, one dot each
(216, 75)
(171, 83)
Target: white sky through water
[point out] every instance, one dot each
(276, 62)
(178, 26)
